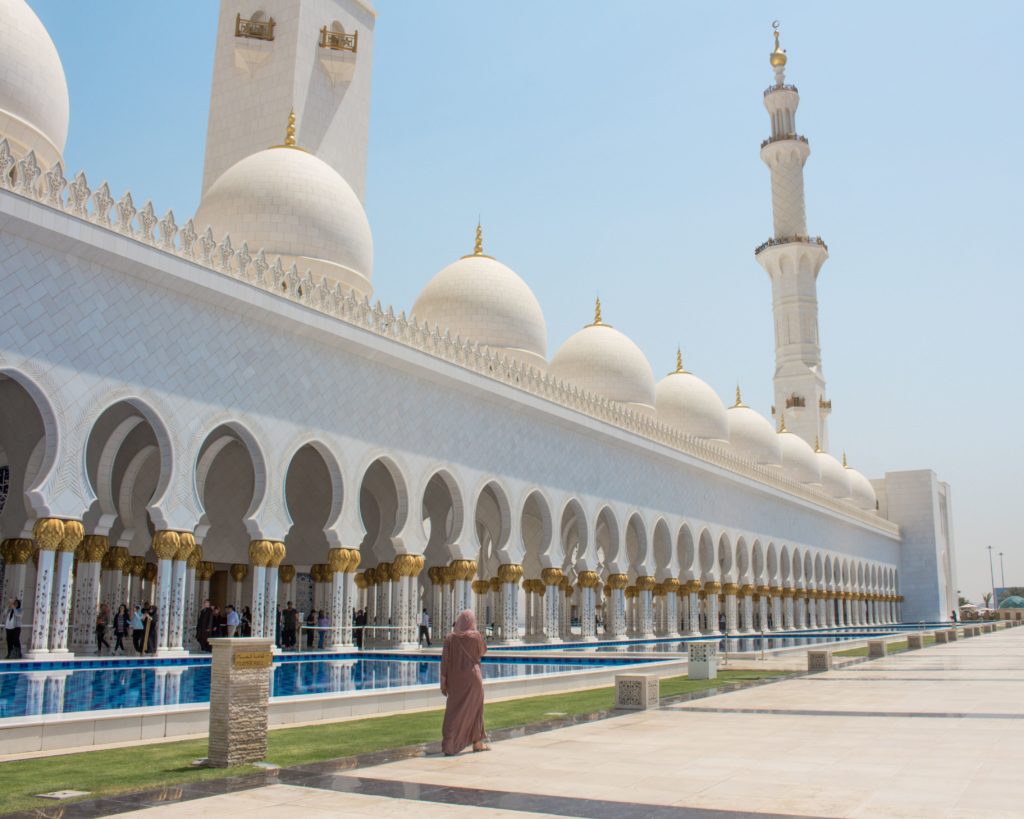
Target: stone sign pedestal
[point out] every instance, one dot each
(915, 641)
(941, 636)
(702, 661)
(636, 692)
(818, 661)
(877, 648)
(239, 691)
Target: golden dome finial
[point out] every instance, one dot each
(817, 444)
(739, 398)
(289, 132)
(597, 310)
(478, 246)
(782, 422)
(778, 57)
(844, 460)
(679, 360)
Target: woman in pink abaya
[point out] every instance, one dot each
(463, 685)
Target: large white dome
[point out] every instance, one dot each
(33, 90)
(602, 360)
(861, 490)
(798, 458)
(480, 299)
(690, 405)
(751, 434)
(834, 478)
(291, 204)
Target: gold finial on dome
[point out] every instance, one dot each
(817, 444)
(739, 398)
(597, 313)
(478, 246)
(778, 56)
(782, 422)
(679, 361)
(289, 134)
(844, 460)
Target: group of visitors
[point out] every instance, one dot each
(213, 622)
(139, 625)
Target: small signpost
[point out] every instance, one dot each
(239, 695)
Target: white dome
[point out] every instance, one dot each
(834, 478)
(602, 360)
(798, 458)
(861, 490)
(480, 299)
(33, 90)
(291, 204)
(684, 401)
(752, 436)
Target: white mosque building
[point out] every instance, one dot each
(215, 406)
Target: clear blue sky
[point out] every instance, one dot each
(612, 147)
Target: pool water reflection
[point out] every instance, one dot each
(67, 690)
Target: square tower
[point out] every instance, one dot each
(275, 56)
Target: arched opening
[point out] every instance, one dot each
(493, 523)
(725, 557)
(636, 546)
(313, 495)
(706, 554)
(662, 546)
(606, 537)
(383, 508)
(535, 527)
(28, 445)
(687, 551)
(441, 514)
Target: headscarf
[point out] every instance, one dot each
(465, 623)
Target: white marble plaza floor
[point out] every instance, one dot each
(931, 733)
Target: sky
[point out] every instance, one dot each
(611, 148)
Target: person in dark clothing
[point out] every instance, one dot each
(204, 626)
(310, 632)
(138, 628)
(291, 617)
(120, 628)
(278, 626)
(150, 618)
(358, 631)
(102, 619)
(12, 626)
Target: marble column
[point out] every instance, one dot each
(338, 561)
(272, 581)
(746, 609)
(823, 605)
(764, 598)
(588, 582)
(179, 569)
(447, 602)
(481, 589)
(64, 580)
(565, 612)
(645, 606)
(551, 579)
(775, 595)
(87, 592)
(731, 590)
(671, 599)
(238, 572)
(788, 595)
(47, 533)
(617, 601)
(712, 588)
(436, 576)
(510, 574)
(806, 616)
(261, 552)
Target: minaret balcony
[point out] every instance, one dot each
(776, 241)
(771, 89)
(784, 138)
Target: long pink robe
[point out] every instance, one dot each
(464, 684)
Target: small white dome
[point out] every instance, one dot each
(751, 434)
(294, 205)
(602, 360)
(861, 490)
(834, 478)
(480, 299)
(690, 405)
(33, 91)
(798, 458)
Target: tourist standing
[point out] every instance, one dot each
(102, 619)
(288, 627)
(137, 627)
(120, 628)
(310, 625)
(247, 622)
(12, 625)
(322, 624)
(204, 625)
(463, 685)
(424, 634)
(150, 639)
(232, 621)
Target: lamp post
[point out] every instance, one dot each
(992, 576)
(1002, 571)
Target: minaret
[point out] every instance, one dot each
(793, 258)
(313, 57)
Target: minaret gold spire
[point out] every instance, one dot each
(478, 247)
(782, 422)
(289, 132)
(778, 57)
(739, 398)
(597, 311)
(817, 444)
(679, 360)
